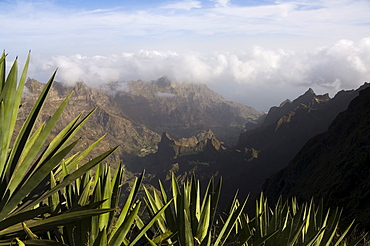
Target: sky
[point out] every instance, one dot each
(255, 52)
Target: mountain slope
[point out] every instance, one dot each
(286, 129)
(183, 110)
(134, 114)
(334, 165)
(261, 151)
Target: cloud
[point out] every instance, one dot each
(343, 65)
(184, 5)
(165, 94)
(236, 48)
(221, 3)
(47, 26)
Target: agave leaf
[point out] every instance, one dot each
(31, 184)
(189, 238)
(107, 192)
(2, 71)
(23, 217)
(175, 193)
(294, 235)
(57, 142)
(30, 152)
(84, 196)
(80, 171)
(340, 239)
(77, 127)
(27, 127)
(265, 238)
(314, 237)
(18, 96)
(169, 214)
(28, 231)
(149, 225)
(7, 99)
(19, 242)
(162, 237)
(58, 220)
(207, 240)
(163, 191)
(229, 224)
(129, 203)
(43, 242)
(116, 190)
(9, 96)
(97, 196)
(204, 221)
(151, 201)
(101, 240)
(121, 232)
(83, 154)
(215, 199)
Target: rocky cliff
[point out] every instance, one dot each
(334, 165)
(183, 110)
(260, 152)
(134, 114)
(288, 127)
(183, 155)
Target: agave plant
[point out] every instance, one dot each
(25, 162)
(191, 218)
(291, 224)
(101, 190)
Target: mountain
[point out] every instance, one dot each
(134, 114)
(259, 153)
(285, 130)
(183, 109)
(334, 165)
(183, 156)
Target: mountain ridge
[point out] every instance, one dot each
(134, 114)
(334, 165)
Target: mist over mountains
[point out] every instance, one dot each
(256, 76)
(134, 114)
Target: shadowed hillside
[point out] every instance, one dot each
(334, 165)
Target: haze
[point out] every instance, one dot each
(255, 52)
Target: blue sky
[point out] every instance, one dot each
(255, 52)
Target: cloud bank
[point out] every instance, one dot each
(343, 65)
(50, 26)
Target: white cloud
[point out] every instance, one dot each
(45, 26)
(221, 3)
(343, 65)
(165, 94)
(233, 47)
(184, 5)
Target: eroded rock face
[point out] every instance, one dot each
(334, 166)
(285, 131)
(171, 147)
(183, 110)
(134, 114)
(130, 136)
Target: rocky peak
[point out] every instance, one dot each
(309, 92)
(33, 86)
(333, 165)
(308, 100)
(163, 82)
(173, 147)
